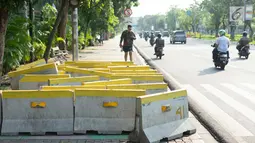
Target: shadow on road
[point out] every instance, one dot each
(210, 70)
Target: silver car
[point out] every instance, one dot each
(178, 36)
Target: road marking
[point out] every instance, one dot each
(250, 114)
(240, 91)
(216, 113)
(251, 86)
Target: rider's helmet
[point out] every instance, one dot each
(245, 33)
(222, 32)
(159, 35)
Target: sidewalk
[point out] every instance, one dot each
(110, 51)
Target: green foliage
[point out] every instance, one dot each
(44, 27)
(17, 43)
(39, 48)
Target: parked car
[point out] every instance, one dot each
(156, 33)
(178, 36)
(166, 34)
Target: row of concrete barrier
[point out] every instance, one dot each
(103, 96)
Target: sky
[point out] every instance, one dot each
(149, 7)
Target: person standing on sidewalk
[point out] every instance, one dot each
(128, 37)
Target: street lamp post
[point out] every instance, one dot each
(74, 4)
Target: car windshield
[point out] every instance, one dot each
(179, 34)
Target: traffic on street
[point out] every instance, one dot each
(227, 95)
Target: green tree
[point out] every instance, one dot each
(6, 7)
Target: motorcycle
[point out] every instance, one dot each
(221, 60)
(146, 38)
(244, 52)
(159, 53)
(152, 40)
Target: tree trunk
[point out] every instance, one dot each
(31, 30)
(64, 7)
(62, 30)
(3, 27)
(217, 29)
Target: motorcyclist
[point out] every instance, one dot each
(152, 36)
(158, 43)
(221, 45)
(244, 41)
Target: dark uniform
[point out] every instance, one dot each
(128, 37)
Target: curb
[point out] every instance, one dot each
(218, 132)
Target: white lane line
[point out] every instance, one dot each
(240, 91)
(216, 113)
(248, 85)
(247, 112)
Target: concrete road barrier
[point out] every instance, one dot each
(110, 82)
(72, 80)
(34, 82)
(73, 87)
(141, 78)
(61, 72)
(151, 88)
(37, 112)
(163, 116)
(134, 71)
(33, 64)
(76, 72)
(43, 69)
(113, 111)
(135, 67)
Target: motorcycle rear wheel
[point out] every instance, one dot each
(222, 67)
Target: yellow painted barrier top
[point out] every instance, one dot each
(134, 71)
(100, 69)
(145, 86)
(140, 77)
(129, 67)
(33, 64)
(73, 87)
(73, 79)
(163, 96)
(98, 61)
(61, 67)
(37, 94)
(32, 70)
(61, 72)
(42, 77)
(87, 71)
(116, 81)
(109, 92)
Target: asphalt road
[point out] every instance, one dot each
(228, 96)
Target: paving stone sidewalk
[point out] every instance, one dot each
(110, 52)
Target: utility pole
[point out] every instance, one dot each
(74, 4)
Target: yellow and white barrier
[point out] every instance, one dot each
(33, 64)
(163, 115)
(110, 82)
(76, 72)
(44, 69)
(37, 112)
(74, 87)
(141, 78)
(134, 71)
(35, 81)
(151, 88)
(72, 80)
(106, 111)
(132, 67)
